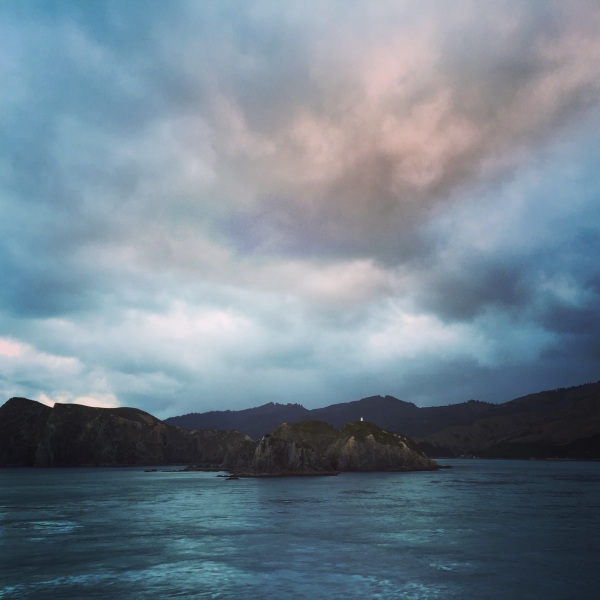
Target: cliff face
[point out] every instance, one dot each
(79, 435)
(298, 448)
(70, 435)
(22, 424)
(363, 446)
(315, 447)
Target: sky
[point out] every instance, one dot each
(214, 205)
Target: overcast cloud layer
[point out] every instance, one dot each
(212, 205)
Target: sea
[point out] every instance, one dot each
(482, 529)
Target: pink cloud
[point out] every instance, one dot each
(10, 349)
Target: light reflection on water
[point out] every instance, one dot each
(484, 529)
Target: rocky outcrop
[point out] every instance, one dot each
(294, 449)
(313, 447)
(71, 435)
(362, 446)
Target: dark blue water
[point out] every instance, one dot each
(484, 529)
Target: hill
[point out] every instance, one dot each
(385, 411)
(254, 422)
(71, 435)
(562, 423)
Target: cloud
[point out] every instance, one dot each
(25, 369)
(214, 205)
(399, 133)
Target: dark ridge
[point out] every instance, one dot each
(254, 422)
(385, 411)
(560, 423)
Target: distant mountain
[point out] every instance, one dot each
(69, 435)
(558, 423)
(387, 412)
(254, 422)
(399, 416)
(562, 423)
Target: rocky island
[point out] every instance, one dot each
(314, 447)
